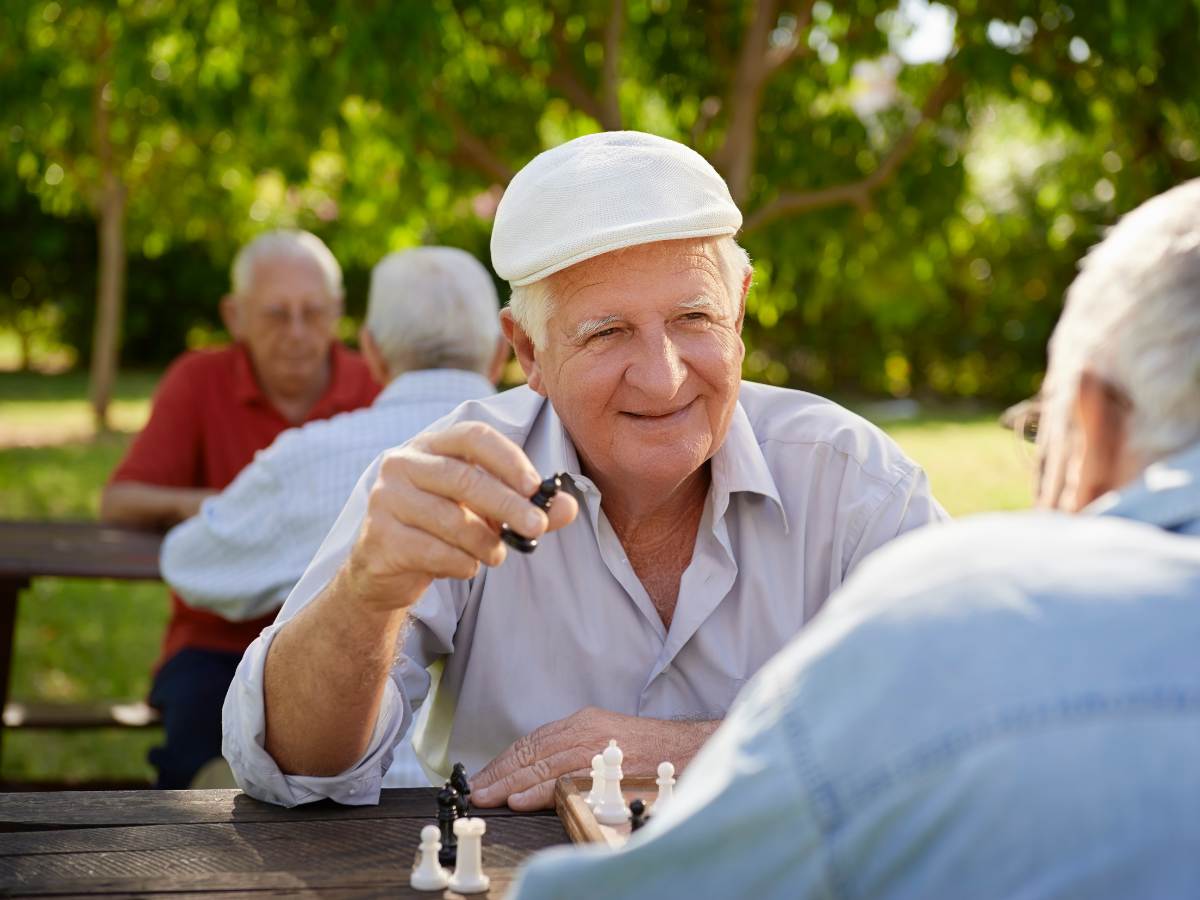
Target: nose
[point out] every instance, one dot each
(296, 327)
(658, 369)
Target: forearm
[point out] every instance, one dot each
(324, 681)
(681, 740)
(149, 505)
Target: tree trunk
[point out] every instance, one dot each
(110, 294)
(110, 287)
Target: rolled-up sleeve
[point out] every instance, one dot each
(244, 713)
(244, 743)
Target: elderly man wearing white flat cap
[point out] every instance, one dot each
(702, 522)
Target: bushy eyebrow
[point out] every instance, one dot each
(589, 327)
(702, 303)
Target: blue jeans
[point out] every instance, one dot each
(189, 692)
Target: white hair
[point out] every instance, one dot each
(286, 243)
(530, 303)
(1132, 317)
(433, 308)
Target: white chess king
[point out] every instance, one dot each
(468, 877)
(611, 810)
(428, 875)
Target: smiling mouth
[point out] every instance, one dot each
(660, 417)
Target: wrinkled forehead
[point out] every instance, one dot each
(687, 267)
(284, 276)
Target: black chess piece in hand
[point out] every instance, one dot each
(447, 804)
(542, 500)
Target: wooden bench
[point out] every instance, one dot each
(31, 550)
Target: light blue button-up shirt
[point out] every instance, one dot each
(245, 550)
(1007, 707)
(802, 490)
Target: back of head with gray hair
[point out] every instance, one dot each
(1132, 317)
(286, 243)
(433, 308)
(530, 303)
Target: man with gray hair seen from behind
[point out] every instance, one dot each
(432, 336)
(717, 516)
(1005, 707)
(212, 411)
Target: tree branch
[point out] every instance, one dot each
(564, 77)
(778, 57)
(470, 149)
(610, 96)
(859, 192)
(736, 156)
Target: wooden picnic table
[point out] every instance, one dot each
(222, 842)
(30, 549)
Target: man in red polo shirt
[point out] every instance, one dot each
(213, 410)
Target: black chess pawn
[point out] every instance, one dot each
(542, 499)
(637, 815)
(447, 804)
(458, 779)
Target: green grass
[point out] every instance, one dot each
(77, 639)
(81, 640)
(56, 406)
(973, 464)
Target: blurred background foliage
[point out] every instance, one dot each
(918, 182)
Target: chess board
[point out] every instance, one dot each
(577, 817)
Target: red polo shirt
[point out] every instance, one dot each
(208, 419)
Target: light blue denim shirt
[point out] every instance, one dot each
(1007, 707)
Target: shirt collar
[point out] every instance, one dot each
(435, 385)
(1166, 494)
(737, 466)
(340, 393)
(245, 384)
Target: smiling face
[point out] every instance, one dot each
(642, 361)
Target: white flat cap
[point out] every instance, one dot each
(603, 192)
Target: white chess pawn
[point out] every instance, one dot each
(597, 790)
(611, 810)
(428, 875)
(666, 784)
(468, 877)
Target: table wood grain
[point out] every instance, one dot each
(201, 843)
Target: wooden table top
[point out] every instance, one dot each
(210, 842)
(77, 550)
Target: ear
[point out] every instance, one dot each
(499, 359)
(231, 316)
(1104, 462)
(373, 358)
(526, 353)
